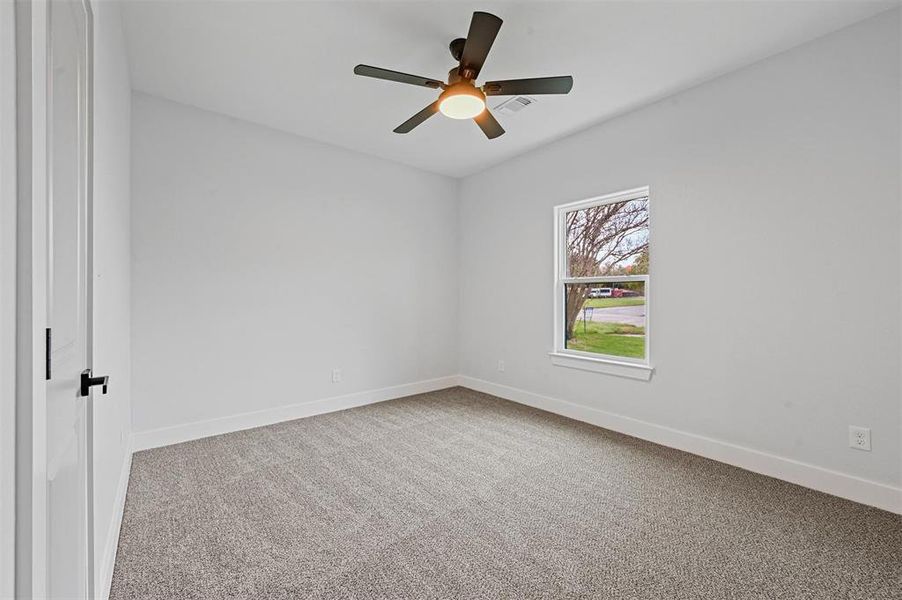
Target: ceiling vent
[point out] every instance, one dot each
(512, 106)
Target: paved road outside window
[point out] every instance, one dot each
(631, 315)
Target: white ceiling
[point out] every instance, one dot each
(288, 65)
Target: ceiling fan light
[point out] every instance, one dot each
(462, 104)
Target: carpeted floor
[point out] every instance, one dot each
(456, 494)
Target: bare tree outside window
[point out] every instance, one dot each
(607, 240)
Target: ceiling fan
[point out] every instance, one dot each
(460, 97)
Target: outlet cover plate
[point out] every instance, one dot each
(860, 438)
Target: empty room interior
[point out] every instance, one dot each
(351, 300)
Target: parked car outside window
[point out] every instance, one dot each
(600, 292)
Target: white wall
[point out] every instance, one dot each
(262, 261)
(775, 199)
(112, 281)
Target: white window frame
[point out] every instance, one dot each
(601, 363)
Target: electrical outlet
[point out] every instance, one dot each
(860, 438)
(336, 375)
(501, 366)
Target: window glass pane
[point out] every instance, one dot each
(606, 318)
(611, 239)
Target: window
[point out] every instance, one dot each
(602, 284)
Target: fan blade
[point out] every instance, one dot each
(483, 29)
(368, 71)
(490, 127)
(537, 85)
(408, 125)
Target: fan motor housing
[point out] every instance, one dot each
(457, 48)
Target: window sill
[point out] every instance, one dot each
(602, 365)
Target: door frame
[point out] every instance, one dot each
(32, 212)
(7, 297)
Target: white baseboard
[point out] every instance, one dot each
(817, 478)
(165, 436)
(112, 539)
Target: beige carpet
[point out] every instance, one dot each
(457, 494)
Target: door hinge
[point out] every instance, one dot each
(47, 355)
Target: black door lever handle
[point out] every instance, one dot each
(87, 382)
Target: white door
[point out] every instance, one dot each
(68, 297)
